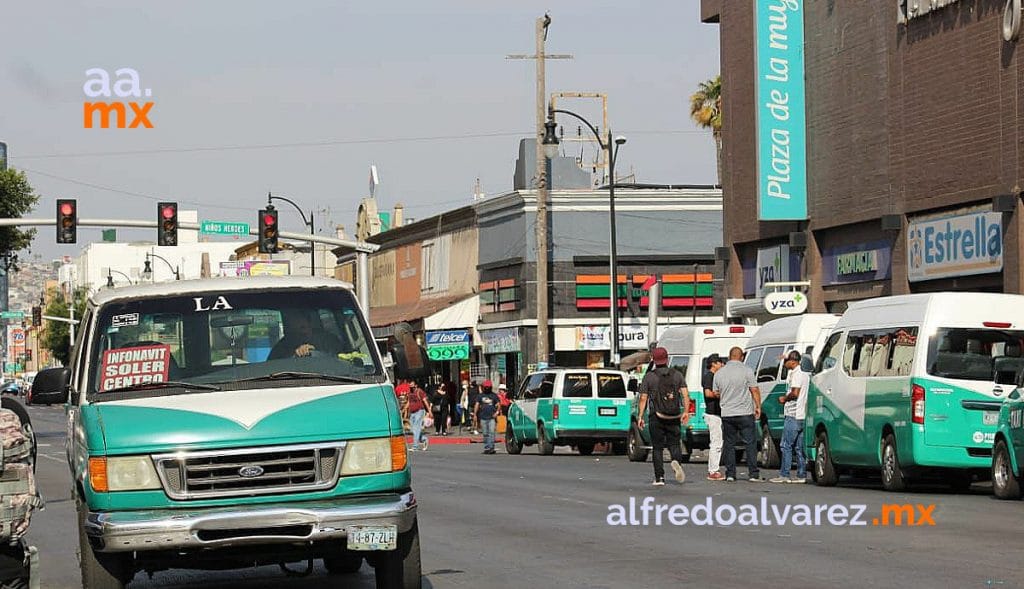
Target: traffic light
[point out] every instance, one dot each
(167, 223)
(67, 220)
(37, 316)
(268, 231)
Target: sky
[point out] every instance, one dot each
(300, 98)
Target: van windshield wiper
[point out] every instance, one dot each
(165, 384)
(294, 375)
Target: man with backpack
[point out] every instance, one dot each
(663, 394)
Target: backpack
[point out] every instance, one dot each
(18, 494)
(664, 395)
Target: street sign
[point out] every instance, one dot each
(12, 314)
(223, 228)
(448, 352)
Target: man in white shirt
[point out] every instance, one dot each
(795, 401)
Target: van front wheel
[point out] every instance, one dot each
(824, 471)
(1005, 484)
(100, 570)
(893, 478)
(401, 568)
(512, 445)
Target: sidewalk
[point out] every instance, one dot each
(456, 437)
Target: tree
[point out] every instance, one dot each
(55, 337)
(16, 198)
(706, 111)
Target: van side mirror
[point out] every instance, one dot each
(633, 386)
(50, 387)
(410, 358)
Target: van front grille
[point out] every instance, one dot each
(250, 471)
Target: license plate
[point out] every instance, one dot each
(607, 411)
(990, 418)
(373, 537)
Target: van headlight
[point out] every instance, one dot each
(131, 473)
(367, 456)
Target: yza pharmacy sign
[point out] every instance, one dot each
(960, 245)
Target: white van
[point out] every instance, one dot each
(765, 350)
(912, 385)
(688, 347)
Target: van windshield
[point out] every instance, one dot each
(261, 337)
(976, 354)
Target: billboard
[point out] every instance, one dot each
(256, 268)
(781, 126)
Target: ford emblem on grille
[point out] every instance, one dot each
(250, 471)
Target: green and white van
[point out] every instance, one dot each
(1008, 452)
(912, 386)
(578, 407)
(224, 423)
(688, 348)
(765, 351)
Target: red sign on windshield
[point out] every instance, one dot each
(131, 366)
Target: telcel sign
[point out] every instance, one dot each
(448, 345)
(785, 303)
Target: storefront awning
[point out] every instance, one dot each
(427, 314)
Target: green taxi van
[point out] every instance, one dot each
(688, 349)
(765, 351)
(1008, 451)
(912, 386)
(578, 407)
(222, 423)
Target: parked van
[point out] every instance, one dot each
(227, 422)
(765, 351)
(912, 385)
(578, 407)
(688, 347)
(1008, 453)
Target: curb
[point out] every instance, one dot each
(450, 440)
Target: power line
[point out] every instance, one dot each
(326, 143)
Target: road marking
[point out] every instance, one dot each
(61, 459)
(44, 445)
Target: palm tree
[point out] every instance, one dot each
(706, 111)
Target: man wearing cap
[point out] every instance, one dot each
(665, 390)
(795, 401)
(713, 417)
(486, 410)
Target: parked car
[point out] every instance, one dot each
(1008, 451)
(179, 460)
(577, 407)
(688, 348)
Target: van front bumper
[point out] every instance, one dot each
(240, 525)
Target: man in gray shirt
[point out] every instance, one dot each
(741, 407)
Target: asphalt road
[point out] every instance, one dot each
(535, 521)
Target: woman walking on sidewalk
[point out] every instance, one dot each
(419, 405)
(442, 405)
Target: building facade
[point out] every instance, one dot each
(913, 150)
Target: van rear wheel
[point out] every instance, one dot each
(893, 478)
(825, 474)
(512, 445)
(768, 456)
(1005, 484)
(544, 446)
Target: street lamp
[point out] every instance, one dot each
(308, 223)
(147, 270)
(110, 277)
(613, 266)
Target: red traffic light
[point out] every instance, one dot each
(167, 211)
(67, 208)
(269, 219)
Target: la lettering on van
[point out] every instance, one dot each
(204, 305)
(125, 86)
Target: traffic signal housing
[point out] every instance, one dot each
(37, 316)
(167, 223)
(67, 220)
(268, 231)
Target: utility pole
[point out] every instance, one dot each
(543, 185)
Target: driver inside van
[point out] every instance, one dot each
(304, 336)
